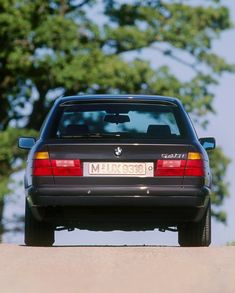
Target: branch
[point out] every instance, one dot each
(168, 52)
(82, 3)
(63, 7)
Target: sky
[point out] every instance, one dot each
(221, 127)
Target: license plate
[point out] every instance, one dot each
(118, 169)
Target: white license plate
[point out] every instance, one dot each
(112, 169)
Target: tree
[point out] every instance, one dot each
(54, 47)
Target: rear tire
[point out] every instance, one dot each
(196, 234)
(37, 233)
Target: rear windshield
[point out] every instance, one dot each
(131, 121)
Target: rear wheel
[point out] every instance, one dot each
(196, 234)
(37, 233)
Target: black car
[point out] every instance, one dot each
(108, 162)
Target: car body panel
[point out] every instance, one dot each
(84, 194)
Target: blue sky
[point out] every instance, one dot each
(221, 126)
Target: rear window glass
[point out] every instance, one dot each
(140, 121)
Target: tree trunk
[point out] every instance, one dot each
(1, 218)
(39, 110)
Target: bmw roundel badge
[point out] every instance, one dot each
(118, 151)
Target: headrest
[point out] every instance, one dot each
(159, 131)
(74, 129)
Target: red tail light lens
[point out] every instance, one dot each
(193, 166)
(67, 168)
(170, 168)
(43, 166)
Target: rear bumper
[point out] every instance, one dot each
(116, 196)
(110, 208)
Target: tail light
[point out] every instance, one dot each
(43, 166)
(66, 167)
(193, 166)
(170, 168)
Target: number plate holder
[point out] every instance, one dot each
(118, 169)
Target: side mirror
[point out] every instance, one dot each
(26, 142)
(208, 143)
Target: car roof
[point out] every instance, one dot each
(67, 100)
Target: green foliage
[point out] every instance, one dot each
(10, 155)
(220, 190)
(230, 243)
(54, 47)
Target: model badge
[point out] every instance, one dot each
(173, 156)
(118, 151)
